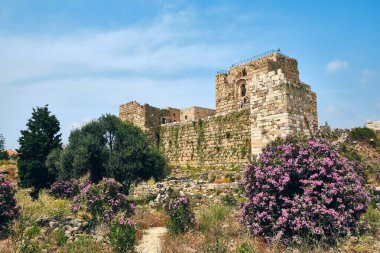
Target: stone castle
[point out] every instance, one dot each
(257, 100)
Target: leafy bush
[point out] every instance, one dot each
(229, 199)
(245, 248)
(60, 237)
(122, 235)
(8, 209)
(85, 244)
(372, 217)
(4, 155)
(181, 217)
(65, 189)
(363, 134)
(103, 200)
(302, 188)
(109, 147)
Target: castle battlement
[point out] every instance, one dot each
(257, 100)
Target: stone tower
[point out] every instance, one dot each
(257, 100)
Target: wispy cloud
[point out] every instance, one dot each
(156, 48)
(86, 73)
(336, 65)
(367, 76)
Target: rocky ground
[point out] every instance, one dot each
(50, 221)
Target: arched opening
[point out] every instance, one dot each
(243, 90)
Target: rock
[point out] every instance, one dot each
(74, 229)
(85, 225)
(211, 187)
(99, 238)
(68, 228)
(76, 223)
(43, 220)
(53, 224)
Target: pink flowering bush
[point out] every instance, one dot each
(8, 209)
(65, 189)
(122, 234)
(103, 200)
(181, 217)
(300, 188)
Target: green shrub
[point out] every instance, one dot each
(84, 244)
(32, 232)
(229, 199)
(122, 235)
(181, 217)
(60, 237)
(103, 200)
(211, 217)
(373, 218)
(109, 147)
(245, 248)
(363, 134)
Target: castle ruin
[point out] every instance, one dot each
(257, 100)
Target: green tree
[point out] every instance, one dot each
(3, 152)
(40, 138)
(108, 147)
(2, 142)
(53, 162)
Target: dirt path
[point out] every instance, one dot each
(151, 242)
(5, 246)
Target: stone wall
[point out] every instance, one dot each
(229, 97)
(212, 142)
(374, 125)
(280, 107)
(133, 112)
(256, 102)
(144, 116)
(170, 115)
(195, 113)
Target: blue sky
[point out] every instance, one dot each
(85, 58)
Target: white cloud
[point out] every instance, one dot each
(367, 76)
(84, 74)
(159, 48)
(336, 65)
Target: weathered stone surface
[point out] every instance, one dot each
(374, 125)
(195, 113)
(256, 102)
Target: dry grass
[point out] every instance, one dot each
(219, 231)
(6, 246)
(189, 242)
(146, 217)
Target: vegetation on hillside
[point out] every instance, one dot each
(110, 148)
(36, 142)
(300, 195)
